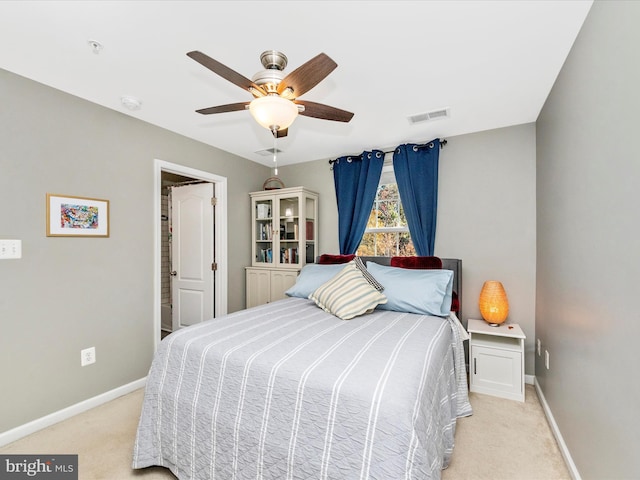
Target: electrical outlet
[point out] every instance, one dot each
(87, 356)
(546, 359)
(539, 345)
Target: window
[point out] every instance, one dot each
(387, 232)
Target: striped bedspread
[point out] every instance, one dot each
(288, 391)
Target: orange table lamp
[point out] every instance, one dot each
(494, 306)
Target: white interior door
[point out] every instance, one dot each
(192, 254)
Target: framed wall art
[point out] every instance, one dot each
(69, 216)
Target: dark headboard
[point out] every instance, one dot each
(454, 264)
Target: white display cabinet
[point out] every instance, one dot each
(284, 238)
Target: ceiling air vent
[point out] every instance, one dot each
(268, 152)
(430, 116)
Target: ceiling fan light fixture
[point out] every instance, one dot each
(256, 92)
(273, 112)
(288, 93)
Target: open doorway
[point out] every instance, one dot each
(168, 175)
(188, 249)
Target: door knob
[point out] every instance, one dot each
(173, 273)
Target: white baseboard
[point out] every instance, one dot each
(530, 379)
(573, 470)
(55, 417)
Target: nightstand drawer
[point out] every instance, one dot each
(495, 371)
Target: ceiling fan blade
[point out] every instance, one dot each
(231, 107)
(324, 112)
(307, 76)
(225, 72)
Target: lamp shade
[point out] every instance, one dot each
(494, 306)
(273, 112)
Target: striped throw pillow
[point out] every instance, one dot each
(348, 294)
(367, 276)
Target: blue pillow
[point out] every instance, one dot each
(311, 277)
(427, 292)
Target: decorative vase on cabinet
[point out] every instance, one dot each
(284, 232)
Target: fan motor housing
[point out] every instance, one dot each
(274, 63)
(265, 77)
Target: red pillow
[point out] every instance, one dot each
(455, 303)
(421, 263)
(327, 259)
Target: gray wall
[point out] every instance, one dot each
(588, 261)
(317, 176)
(486, 215)
(67, 294)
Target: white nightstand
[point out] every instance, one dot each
(496, 359)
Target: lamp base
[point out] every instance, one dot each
(494, 324)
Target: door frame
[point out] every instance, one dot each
(220, 226)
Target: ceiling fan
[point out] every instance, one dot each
(275, 104)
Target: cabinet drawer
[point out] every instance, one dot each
(496, 371)
(281, 281)
(258, 287)
(266, 285)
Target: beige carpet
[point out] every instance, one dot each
(506, 440)
(503, 440)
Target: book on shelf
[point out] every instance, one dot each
(265, 231)
(264, 210)
(309, 229)
(265, 255)
(289, 255)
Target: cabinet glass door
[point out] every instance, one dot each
(310, 228)
(284, 228)
(263, 231)
(289, 233)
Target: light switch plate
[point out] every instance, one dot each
(10, 249)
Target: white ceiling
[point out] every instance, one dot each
(492, 63)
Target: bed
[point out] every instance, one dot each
(288, 390)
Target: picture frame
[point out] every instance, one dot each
(71, 216)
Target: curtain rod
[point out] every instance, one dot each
(443, 142)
